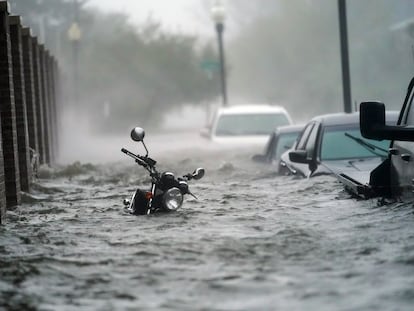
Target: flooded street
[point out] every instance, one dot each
(252, 241)
(77, 76)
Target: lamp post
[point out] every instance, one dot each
(218, 15)
(75, 34)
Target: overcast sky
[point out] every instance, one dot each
(190, 16)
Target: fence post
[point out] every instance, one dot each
(8, 113)
(58, 108)
(53, 103)
(49, 104)
(30, 90)
(4, 95)
(45, 106)
(20, 103)
(38, 90)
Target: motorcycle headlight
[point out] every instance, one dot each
(173, 199)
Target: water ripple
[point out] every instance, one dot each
(253, 241)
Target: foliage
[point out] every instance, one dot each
(142, 75)
(285, 59)
(48, 19)
(127, 75)
(295, 60)
(285, 52)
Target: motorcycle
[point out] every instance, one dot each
(166, 193)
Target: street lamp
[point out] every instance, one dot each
(218, 14)
(75, 35)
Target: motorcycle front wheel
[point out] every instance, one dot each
(139, 203)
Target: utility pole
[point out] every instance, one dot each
(346, 80)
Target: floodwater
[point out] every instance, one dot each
(252, 241)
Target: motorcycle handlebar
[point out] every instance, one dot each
(135, 156)
(144, 161)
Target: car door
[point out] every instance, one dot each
(270, 147)
(287, 167)
(304, 145)
(402, 155)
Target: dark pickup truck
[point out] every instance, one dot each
(394, 177)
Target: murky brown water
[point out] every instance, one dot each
(253, 241)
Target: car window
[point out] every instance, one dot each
(284, 142)
(304, 137)
(336, 145)
(249, 124)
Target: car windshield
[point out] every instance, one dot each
(343, 142)
(284, 142)
(249, 124)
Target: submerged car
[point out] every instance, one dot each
(332, 144)
(279, 141)
(394, 177)
(245, 124)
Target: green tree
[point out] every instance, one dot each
(140, 74)
(136, 74)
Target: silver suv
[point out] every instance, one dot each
(245, 124)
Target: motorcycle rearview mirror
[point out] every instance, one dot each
(137, 134)
(198, 173)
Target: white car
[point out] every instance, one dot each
(245, 124)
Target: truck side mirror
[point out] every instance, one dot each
(372, 119)
(373, 126)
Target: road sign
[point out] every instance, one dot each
(210, 65)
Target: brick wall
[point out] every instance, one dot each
(29, 96)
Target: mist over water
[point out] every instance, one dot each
(82, 142)
(253, 241)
